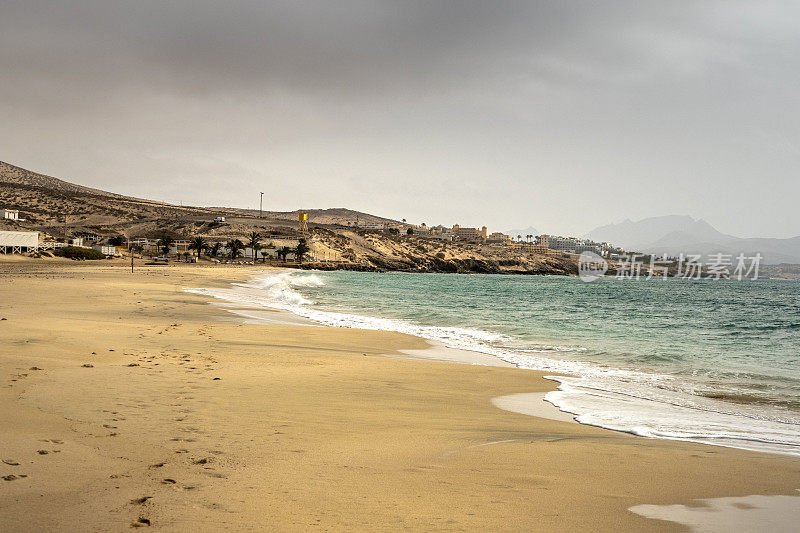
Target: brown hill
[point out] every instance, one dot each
(19, 176)
(59, 209)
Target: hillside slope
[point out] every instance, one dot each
(19, 176)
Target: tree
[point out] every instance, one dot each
(519, 237)
(409, 231)
(235, 247)
(165, 243)
(199, 244)
(283, 252)
(117, 240)
(301, 250)
(253, 243)
(215, 249)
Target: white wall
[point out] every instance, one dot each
(29, 239)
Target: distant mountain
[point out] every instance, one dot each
(672, 228)
(675, 234)
(530, 230)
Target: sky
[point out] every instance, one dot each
(564, 115)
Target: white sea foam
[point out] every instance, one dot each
(642, 403)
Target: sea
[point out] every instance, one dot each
(702, 360)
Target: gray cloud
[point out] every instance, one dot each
(564, 115)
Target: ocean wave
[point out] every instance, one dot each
(641, 403)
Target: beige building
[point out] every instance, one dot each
(499, 237)
(469, 234)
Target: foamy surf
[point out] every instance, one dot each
(642, 403)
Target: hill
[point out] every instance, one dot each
(683, 234)
(59, 209)
(15, 175)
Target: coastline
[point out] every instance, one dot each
(306, 426)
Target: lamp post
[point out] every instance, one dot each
(261, 206)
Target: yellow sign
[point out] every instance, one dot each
(303, 216)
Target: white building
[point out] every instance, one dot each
(16, 242)
(10, 214)
(106, 249)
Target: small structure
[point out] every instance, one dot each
(106, 249)
(302, 226)
(9, 214)
(16, 242)
(219, 219)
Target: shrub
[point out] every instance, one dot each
(76, 252)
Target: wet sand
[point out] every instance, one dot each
(127, 401)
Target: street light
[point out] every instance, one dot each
(261, 206)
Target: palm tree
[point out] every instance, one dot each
(198, 244)
(283, 252)
(301, 250)
(254, 244)
(165, 243)
(257, 248)
(519, 237)
(215, 249)
(235, 246)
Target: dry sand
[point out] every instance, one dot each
(126, 401)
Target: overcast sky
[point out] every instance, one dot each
(562, 115)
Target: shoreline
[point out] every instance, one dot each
(264, 297)
(305, 427)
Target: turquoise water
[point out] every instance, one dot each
(726, 335)
(713, 361)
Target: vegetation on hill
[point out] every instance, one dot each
(59, 210)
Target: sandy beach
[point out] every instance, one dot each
(126, 401)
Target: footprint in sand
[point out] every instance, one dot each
(10, 462)
(168, 481)
(141, 522)
(140, 501)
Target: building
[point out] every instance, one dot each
(572, 245)
(9, 214)
(179, 247)
(106, 249)
(16, 242)
(469, 234)
(88, 236)
(539, 249)
(497, 237)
